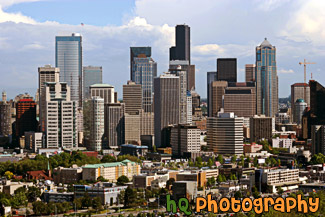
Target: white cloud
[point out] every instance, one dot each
(14, 17)
(208, 49)
(286, 71)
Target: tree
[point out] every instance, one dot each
(122, 180)
(210, 163)
(255, 161)
(220, 159)
(108, 159)
(78, 203)
(18, 200)
(233, 159)
(198, 162)
(238, 195)
(211, 181)
(97, 204)
(130, 196)
(33, 193)
(280, 190)
(86, 200)
(101, 179)
(39, 208)
(9, 175)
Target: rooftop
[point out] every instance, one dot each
(102, 85)
(114, 164)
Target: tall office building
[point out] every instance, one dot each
(4, 96)
(183, 65)
(266, 80)
(104, 91)
(227, 69)
(260, 128)
(143, 71)
(185, 138)
(316, 114)
(91, 75)
(132, 128)
(182, 50)
(298, 92)
(250, 72)
(96, 123)
(318, 139)
(189, 108)
(300, 107)
(225, 134)
(5, 119)
(167, 97)
(180, 55)
(217, 93)
(25, 116)
(183, 94)
(240, 98)
(59, 118)
(147, 123)
(114, 124)
(211, 76)
(47, 73)
(68, 57)
(132, 97)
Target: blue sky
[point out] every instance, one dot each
(219, 28)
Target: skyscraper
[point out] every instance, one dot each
(167, 96)
(211, 76)
(47, 73)
(5, 119)
(180, 55)
(240, 98)
(298, 92)
(96, 123)
(300, 107)
(25, 116)
(91, 75)
(114, 124)
(250, 72)
(182, 50)
(217, 93)
(143, 71)
(132, 97)
(225, 134)
(227, 69)
(68, 57)
(260, 128)
(104, 91)
(59, 118)
(266, 79)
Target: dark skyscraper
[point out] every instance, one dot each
(227, 69)
(211, 76)
(182, 49)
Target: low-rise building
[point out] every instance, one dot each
(107, 194)
(282, 142)
(67, 175)
(184, 189)
(110, 171)
(252, 148)
(58, 197)
(135, 150)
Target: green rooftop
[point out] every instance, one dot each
(113, 164)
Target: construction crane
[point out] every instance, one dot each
(305, 64)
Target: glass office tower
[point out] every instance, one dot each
(68, 57)
(143, 70)
(266, 80)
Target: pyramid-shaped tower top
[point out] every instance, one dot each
(266, 43)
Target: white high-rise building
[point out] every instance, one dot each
(59, 118)
(96, 123)
(189, 108)
(225, 134)
(185, 138)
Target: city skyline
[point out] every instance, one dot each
(108, 44)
